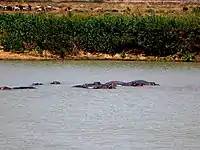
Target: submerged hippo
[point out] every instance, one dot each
(37, 83)
(96, 85)
(88, 85)
(117, 83)
(132, 83)
(5, 88)
(55, 82)
(104, 86)
(16, 88)
(142, 83)
(24, 87)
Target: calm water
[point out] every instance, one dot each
(58, 117)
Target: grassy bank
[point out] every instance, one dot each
(155, 36)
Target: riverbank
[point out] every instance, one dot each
(89, 56)
(15, 56)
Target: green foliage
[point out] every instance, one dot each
(123, 54)
(196, 10)
(111, 34)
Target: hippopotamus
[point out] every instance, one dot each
(37, 83)
(5, 88)
(24, 87)
(117, 83)
(16, 88)
(55, 82)
(104, 86)
(88, 85)
(97, 85)
(132, 83)
(142, 83)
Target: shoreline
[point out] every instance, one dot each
(117, 57)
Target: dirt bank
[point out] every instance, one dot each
(14, 56)
(88, 56)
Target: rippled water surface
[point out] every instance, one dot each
(58, 117)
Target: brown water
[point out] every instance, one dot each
(58, 117)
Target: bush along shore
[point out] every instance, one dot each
(152, 36)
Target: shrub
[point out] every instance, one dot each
(111, 34)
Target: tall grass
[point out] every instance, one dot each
(111, 34)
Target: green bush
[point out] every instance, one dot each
(111, 34)
(196, 10)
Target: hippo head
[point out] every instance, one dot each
(5, 88)
(37, 83)
(112, 86)
(55, 82)
(153, 83)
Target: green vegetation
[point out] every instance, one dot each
(152, 35)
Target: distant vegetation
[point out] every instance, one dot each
(151, 35)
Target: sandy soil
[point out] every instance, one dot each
(14, 56)
(89, 56)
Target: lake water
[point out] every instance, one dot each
(59, 117)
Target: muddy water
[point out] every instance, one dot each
(58, 117)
